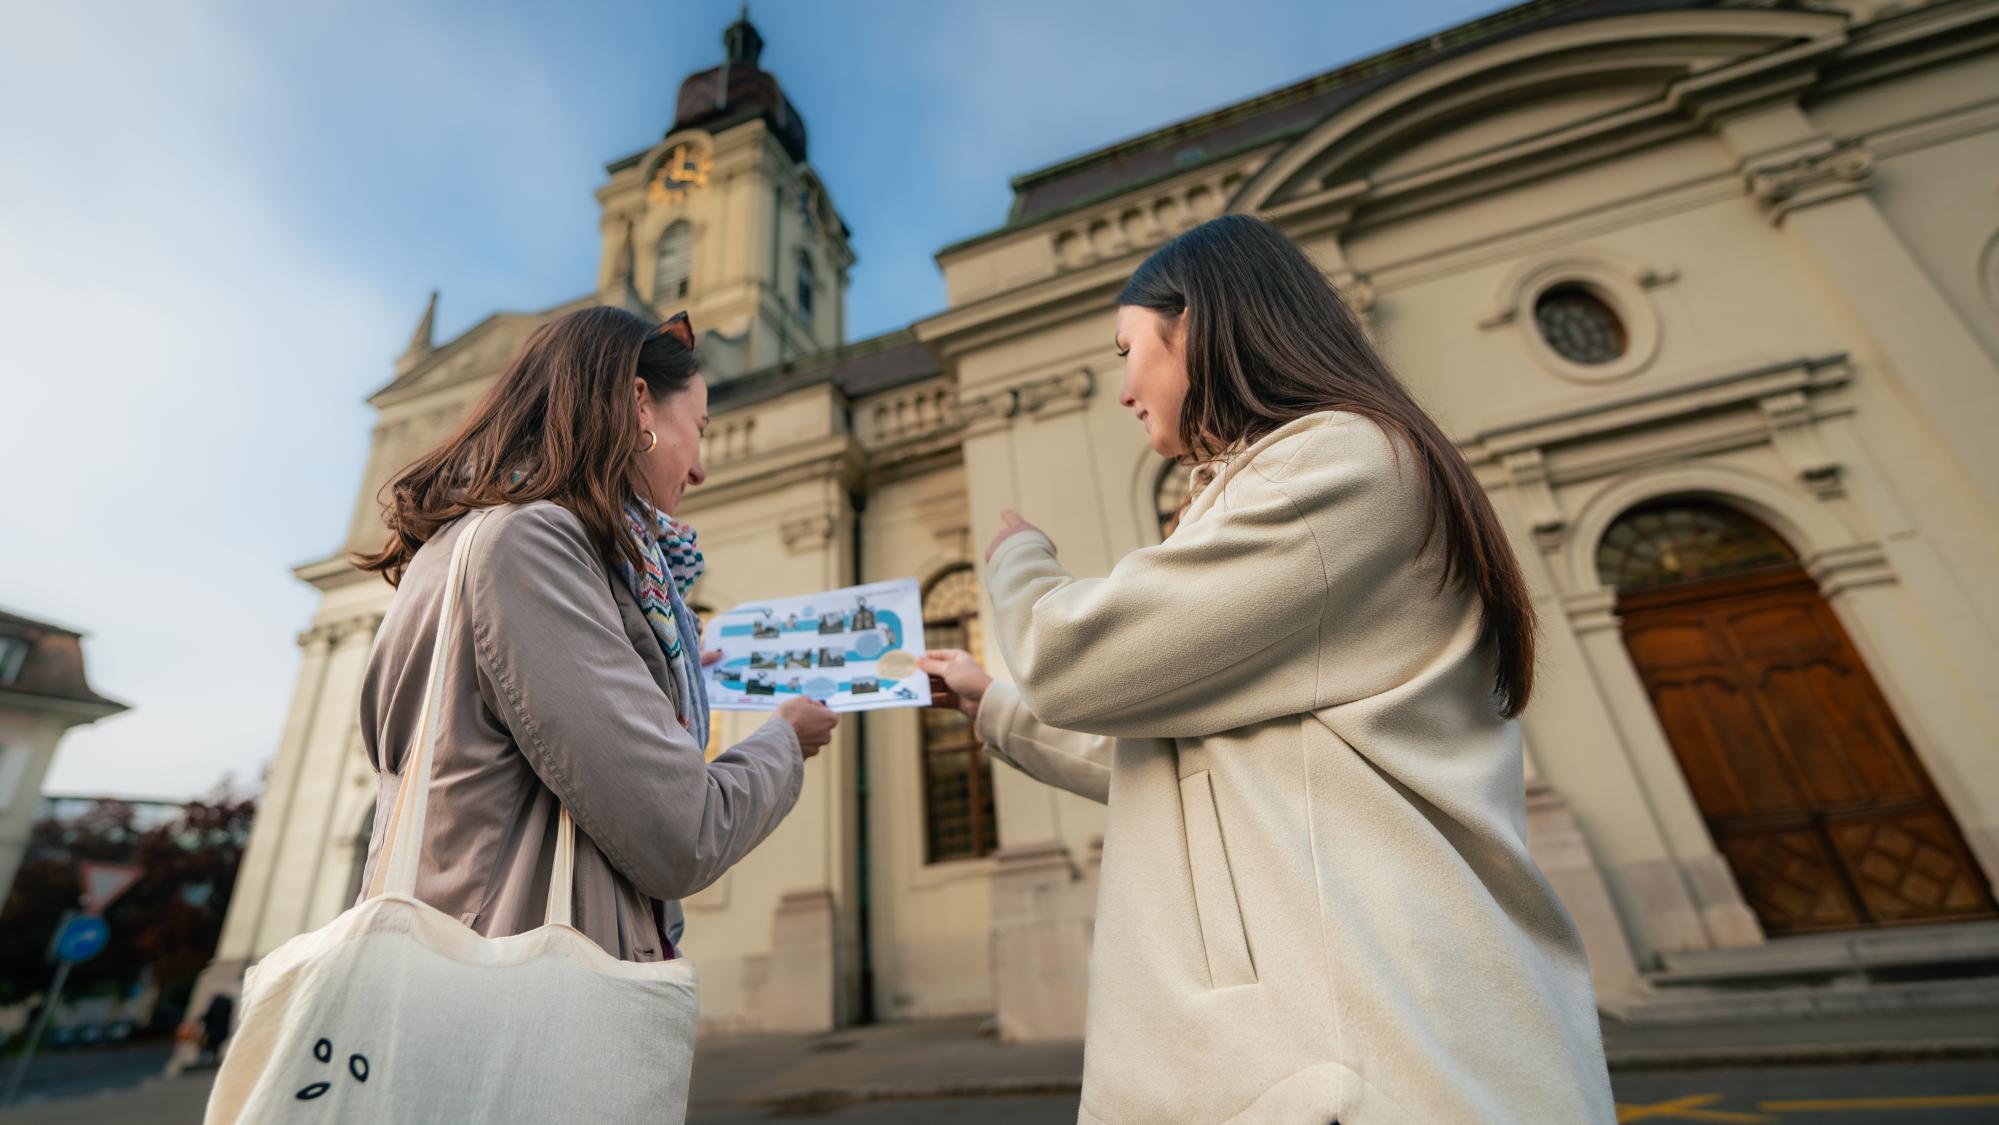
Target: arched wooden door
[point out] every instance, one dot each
(1805, 778)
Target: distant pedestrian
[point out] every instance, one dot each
(215, 1026)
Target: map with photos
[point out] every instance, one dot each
(853, 649)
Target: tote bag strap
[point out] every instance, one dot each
(396, 873)
(403, 842)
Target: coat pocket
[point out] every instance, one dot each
(1227, 945)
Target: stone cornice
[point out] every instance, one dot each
(1806, 181)
(332, 573)
(835, 455)
(1607, 412)
(1004, 315)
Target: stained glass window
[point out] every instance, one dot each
(1579, 325)
(958, 817)
(1683, 541)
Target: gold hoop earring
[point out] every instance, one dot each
(652, 439)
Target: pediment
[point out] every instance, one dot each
(1532, 93)
(480, 352)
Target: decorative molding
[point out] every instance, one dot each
(1593, 610)
(910, 414)
(1138, 224)
(1056, 394)
(1849, 567)
(329, 635)
(807, 533)
(1794, 433)
(1820, 177)
(1658, 402)
(988, 411)
(1527, 471)
(732, 437)
(1357, 290)
(1617, 281)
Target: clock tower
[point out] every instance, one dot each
(724, 218)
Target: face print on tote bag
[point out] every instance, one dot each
(357, 1066)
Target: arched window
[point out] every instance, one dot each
(674, 263)
(1683, 541)
(805, 283)
(958, 814)
(1169, 495)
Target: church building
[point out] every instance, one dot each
(1706, 290)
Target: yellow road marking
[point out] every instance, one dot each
(1941, 1101)
(1688, 1109)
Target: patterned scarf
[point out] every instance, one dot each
(667, 547)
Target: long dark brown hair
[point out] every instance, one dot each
(561, 424)
(1269, 341)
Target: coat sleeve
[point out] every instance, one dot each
(1079, 763)
(556, 667)
(1220, 626)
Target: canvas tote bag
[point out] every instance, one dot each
(396, 1012)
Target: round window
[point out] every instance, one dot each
(1579, 325)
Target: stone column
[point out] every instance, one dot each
(1816, 191)
(1557, 844)
(1028, 446)
(235, 949)
(1044, 911)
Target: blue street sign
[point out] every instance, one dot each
(82, 939)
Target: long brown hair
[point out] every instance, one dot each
(561, 424)
(1269, 341)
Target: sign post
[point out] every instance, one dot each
(81, 937)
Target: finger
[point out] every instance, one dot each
(712, 656)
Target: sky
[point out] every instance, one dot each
(219, 222)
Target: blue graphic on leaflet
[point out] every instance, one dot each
(825, 646)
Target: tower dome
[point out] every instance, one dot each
(738, 90)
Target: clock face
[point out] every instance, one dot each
(685, 167)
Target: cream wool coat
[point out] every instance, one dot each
(1316, 900)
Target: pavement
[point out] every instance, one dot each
(1932, 1067)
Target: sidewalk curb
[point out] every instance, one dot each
(1679, 1058)
(829, 1098)
(826, 1099)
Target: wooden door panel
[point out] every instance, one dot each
(1670, 645)
(1784, 632)
(1791, 879)
(1800, 702)
(1911, 867)
(1801, 771)
(1714, 730)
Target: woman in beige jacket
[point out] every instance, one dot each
(1316, 900)
(575, 679)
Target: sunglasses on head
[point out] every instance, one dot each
(678, 327)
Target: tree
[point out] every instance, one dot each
(167, 923)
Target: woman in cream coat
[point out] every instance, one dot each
(1316, 900)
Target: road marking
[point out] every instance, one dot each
(1941, 1101)
(1688, 1109)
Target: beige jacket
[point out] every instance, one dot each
(1316, 899)
(558, 690)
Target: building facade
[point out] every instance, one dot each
(1707, 292)
(43, 693)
